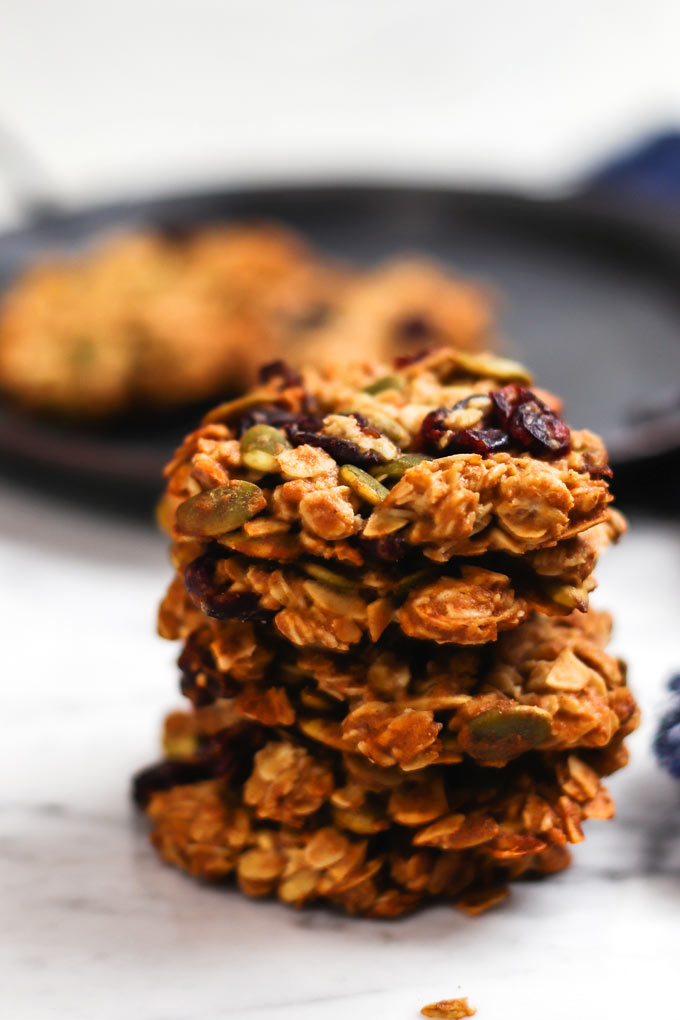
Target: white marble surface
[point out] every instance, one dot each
(96, 929)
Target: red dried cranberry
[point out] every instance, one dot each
(230, 752)
(505, 400)
(343, 451)
(279, 370)
(201, 682)
(266, 415)
(437, 437)
(482, 441)
(218, 601)
(530, 421)
(411, 359)
(390, 548)
(433, 431)
(538, 428)
(163, 776)
(414, 327)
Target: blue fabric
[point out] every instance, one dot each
(650, 170)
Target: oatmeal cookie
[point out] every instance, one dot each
(548, 685)
(365, 838)
(444, 456)
(395, 309)
(154, 321)
(157, 320)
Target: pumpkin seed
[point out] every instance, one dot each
(388, 426)
(280, 547)
(488, 366)
(394, 469)
(385, 382)
(217, 511)
(410, 581)
(503, 733)
(329, 577)
(260, 446)
(381, 423)
(365, 486)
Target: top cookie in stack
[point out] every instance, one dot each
(441, 498)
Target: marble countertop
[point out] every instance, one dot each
(96, 929)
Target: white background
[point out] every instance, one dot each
(136, 94)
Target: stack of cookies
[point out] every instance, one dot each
(398, 691)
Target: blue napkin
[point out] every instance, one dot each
(649, 171)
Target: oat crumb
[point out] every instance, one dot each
(449, 1009)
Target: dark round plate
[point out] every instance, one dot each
(588, 298)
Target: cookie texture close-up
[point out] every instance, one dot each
(398, 692)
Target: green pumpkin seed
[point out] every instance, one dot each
(260, 446)
(381, 423)
(388, 426)
(365, 486)
(284, 548)
(217, 511)
(488, 366)
(410, 581)
(394, 469)
(386, 382)
(329, 577)
(503, 733)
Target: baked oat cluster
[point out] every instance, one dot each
(398, 692)
(165, 319)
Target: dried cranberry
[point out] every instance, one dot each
(218, 601)
(538, 428)
(433, 431)
(411, 359)
(279, 370)
(266, 415)
(165, 775)
(505, 401)
(530, 421)
(343, 451)
(390, 548)
(201, 689)
(230, 752)
(482, 441)
(414, 327)
(201, 682)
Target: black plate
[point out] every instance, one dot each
(588, 296)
